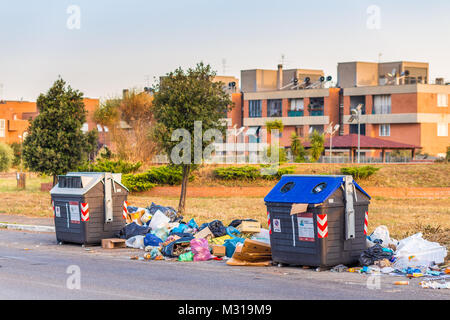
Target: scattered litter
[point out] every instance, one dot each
(339, 268)
(435, 285)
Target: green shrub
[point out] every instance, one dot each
(137, 182)
(251, 173)
(278, 173)
(359, 172)
(171, 175)
(6, 157)
(105, 165)
(237, 173)
(166, 175)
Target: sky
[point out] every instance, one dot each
(128, 44)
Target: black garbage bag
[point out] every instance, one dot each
(217, 228)
(372, 254)
(170, 212)
(131, 230)
(237, 222)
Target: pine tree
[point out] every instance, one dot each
(55, 144)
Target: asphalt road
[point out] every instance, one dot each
(33, 266)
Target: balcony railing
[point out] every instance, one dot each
(299, 113)
(316, 113)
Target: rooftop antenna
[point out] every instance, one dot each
(147, 80)
(379, 57)
(224, 66)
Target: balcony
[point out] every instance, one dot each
(299, 113)
(316, 113)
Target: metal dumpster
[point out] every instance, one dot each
(88, 207)
(317, 220)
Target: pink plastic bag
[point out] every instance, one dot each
(200, 249)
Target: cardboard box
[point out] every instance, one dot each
(219, 251)
(113, 243)
(249, 226)
(205, 233)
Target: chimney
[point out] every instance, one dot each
(125, 93)
(280, 77)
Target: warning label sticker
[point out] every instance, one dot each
(305, 227)
(74, 209)
(58, 212)
(276, 225)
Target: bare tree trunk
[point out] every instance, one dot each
(181, 205)
(55, 180)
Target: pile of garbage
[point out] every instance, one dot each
(412, 257)
(163, 235)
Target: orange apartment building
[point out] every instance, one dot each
(398, 103)
(15, 116)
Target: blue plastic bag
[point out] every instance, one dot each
(231, 244)
(152, 240)
(192, 224)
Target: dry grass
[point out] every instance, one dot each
(390, 175)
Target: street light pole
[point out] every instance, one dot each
(359, 137)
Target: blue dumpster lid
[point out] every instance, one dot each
(306, 189)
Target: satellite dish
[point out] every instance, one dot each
(329, 78)
(295, 81)
(307, 79)
(322, 79)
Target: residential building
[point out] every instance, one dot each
(15, 116)
(398, 104)
(297, 97)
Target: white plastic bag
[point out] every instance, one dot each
(382, 233)
(136, 242)
(159, 220)
(416, 250)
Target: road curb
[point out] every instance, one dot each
(25, 227)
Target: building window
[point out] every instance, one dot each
(318, 128)
(274, 108)
(442, 100)
(354, 129)
(296, 108)
(316, 106)
(442, 130)
(299, 130)
(382, 104)
(385, 130)
(2, 128)
(254, 109)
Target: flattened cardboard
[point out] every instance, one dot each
(299, 208)
(205, 233)
(249, 226)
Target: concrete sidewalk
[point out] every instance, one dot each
(18, 219)
(24, 223)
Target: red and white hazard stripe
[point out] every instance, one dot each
(125, 210)
(322, 226)
(268, 222)
(366, 223)
(84, 212)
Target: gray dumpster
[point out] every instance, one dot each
(317, 220)
(88, 207)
